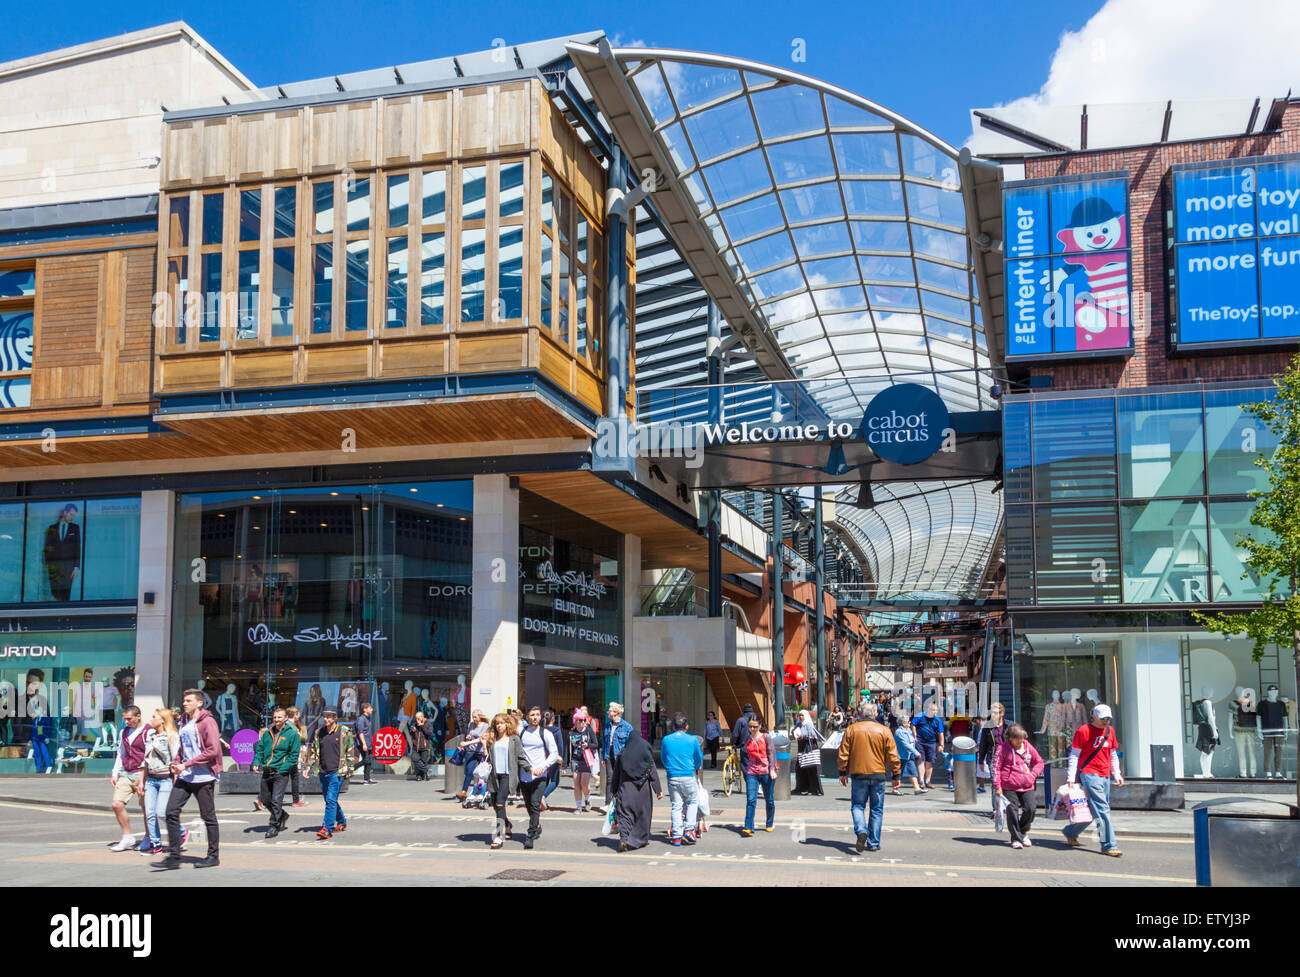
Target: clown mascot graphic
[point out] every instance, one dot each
(1096, 285)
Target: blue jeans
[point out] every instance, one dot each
(552, 781)
(156, 792)
(867, 789)
(685, 799)
(329, 788)
(752, 782)
(1098, 791)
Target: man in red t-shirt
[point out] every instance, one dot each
(1094, 761)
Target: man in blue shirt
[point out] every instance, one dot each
(740, 731)
(929, 739)
(683, 760)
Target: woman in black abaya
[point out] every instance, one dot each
(633, 777)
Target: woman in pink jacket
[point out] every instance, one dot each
(1016, 768)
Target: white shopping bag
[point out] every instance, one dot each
(1000, 814)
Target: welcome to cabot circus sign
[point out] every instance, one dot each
(904, 424)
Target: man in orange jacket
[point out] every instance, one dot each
(867, 754)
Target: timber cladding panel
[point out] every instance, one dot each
(67, 368)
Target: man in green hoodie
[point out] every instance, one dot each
(275, 755)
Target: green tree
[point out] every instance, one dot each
(1273, 556)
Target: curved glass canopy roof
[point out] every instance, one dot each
(838, 226)
(924, 540)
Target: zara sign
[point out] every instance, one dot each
(905, 423)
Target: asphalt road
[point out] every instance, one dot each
(403, 833)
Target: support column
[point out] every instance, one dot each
(631, 603)
(819, 578)
(778, 614)
(494, 615)
(713, 352)
(153, 620)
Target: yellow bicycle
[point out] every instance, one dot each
(732, 776)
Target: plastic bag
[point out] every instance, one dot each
(702, 798)
(1000, 814)
(608, 827)
(1071, 804)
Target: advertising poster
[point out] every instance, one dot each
(1236, 250)
(346, 698)
(1067, 268)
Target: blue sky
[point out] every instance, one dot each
(929, 62)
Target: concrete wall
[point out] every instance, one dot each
(153, 621)
(494, 614)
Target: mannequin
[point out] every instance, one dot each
(207, 699)
(1207, 729)
(1272, 721)
(381, 707)
(1054, 720)
(406, 711)
(426, 705)
(1244, 731)
(348, 704)
(1093, 699)
(438, 716)
(461, 700)
(228, 711)
(8, 705)
(1076, 714)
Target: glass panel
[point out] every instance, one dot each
(55, 531)
(178, 220)
(432, 279)
(112, 566)
(1166, 552)
(866, 153)
(758, 216)
(16, 392)
(358, 205)
(399, 199)
(286, 212)
(16, 341)
(210, 323)
(433, 194)
(12, 520)
(931, 203)
(548, 201)
(1074, 449)
(803, 159)
(881, 236)
(213, 211)
(650, 84)
(282, 293)
(893, 271)
(510, 273)
(582, 240)
(740, 176)
(699, 84)
(819, 202)
(1078, 554)
(398, 275)
(248, 281)
(1230, 577)
(322, 306)
(788, 110)
(473, 193)
(323, 194)
(178, 285)
(874, 198)
(1161, 446)
(722, 129)
(562, 290)
(250, 215)
(1020, 553)
(1235, 439)
(547, 276)
(1016, 458)
(473, 264)
(580, 310)
(356, 287)
(512, 189)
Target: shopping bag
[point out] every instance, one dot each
(593, 762)
(702, 799)
(608, 827)
(1000, 814)
(1060, 810)
(810, 758)
(1080, 813)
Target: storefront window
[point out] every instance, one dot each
(322, 596)
(1077, 554)
(1017, 464)
(1074, 449)
(1166, 551)
(1161, 446)
(61, 699)
(1056, 690)
(1235, 439)
(1231, 579)
(1020, 554)
(76, 549)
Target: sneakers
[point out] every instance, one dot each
(171, 861)
(688, 838)
(257, 804)
(155, 850)
(126, 844)
(340, 827)
(746, 833)
(528, 843)
(210, 861)
(185, 837)
(324, 834)
(1028, 843)
(769, 829)
(1017, 845)
(862, 843)
(299, 803)
(1074, 842)
(1113, 852)
(675, 842)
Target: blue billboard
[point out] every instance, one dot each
(1067, 267)
(1236, 250)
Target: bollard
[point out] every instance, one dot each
(452, 776)
(963, 770)
(781, 749)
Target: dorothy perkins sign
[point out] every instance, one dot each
(904, 424)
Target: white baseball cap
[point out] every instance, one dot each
(1101, 711)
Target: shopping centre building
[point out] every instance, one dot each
(562, 373)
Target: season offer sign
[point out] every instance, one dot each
(1236, 251)
(1067, 267)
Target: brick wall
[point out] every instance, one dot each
(1151, 363)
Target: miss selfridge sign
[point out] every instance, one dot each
(905, 424)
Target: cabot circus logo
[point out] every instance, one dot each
(905, 423)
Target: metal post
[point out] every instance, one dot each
(713, 351)
(778, 613)
(819, 577)
(615, 297)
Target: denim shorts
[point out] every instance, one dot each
(929, 752)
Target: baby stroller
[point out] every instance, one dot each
(477, 795)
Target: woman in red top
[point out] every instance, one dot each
(760, 771)
(1016, 768)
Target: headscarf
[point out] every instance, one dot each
(636, 760)
(806, 730)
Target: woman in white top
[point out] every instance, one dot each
(160, 751)
(502, 750)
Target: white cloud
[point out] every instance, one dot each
(1134, 51)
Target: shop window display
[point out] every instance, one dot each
(75, 550)
(61, 699)
(1057, 690)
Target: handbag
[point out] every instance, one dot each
(457, 757)
(810, 758)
